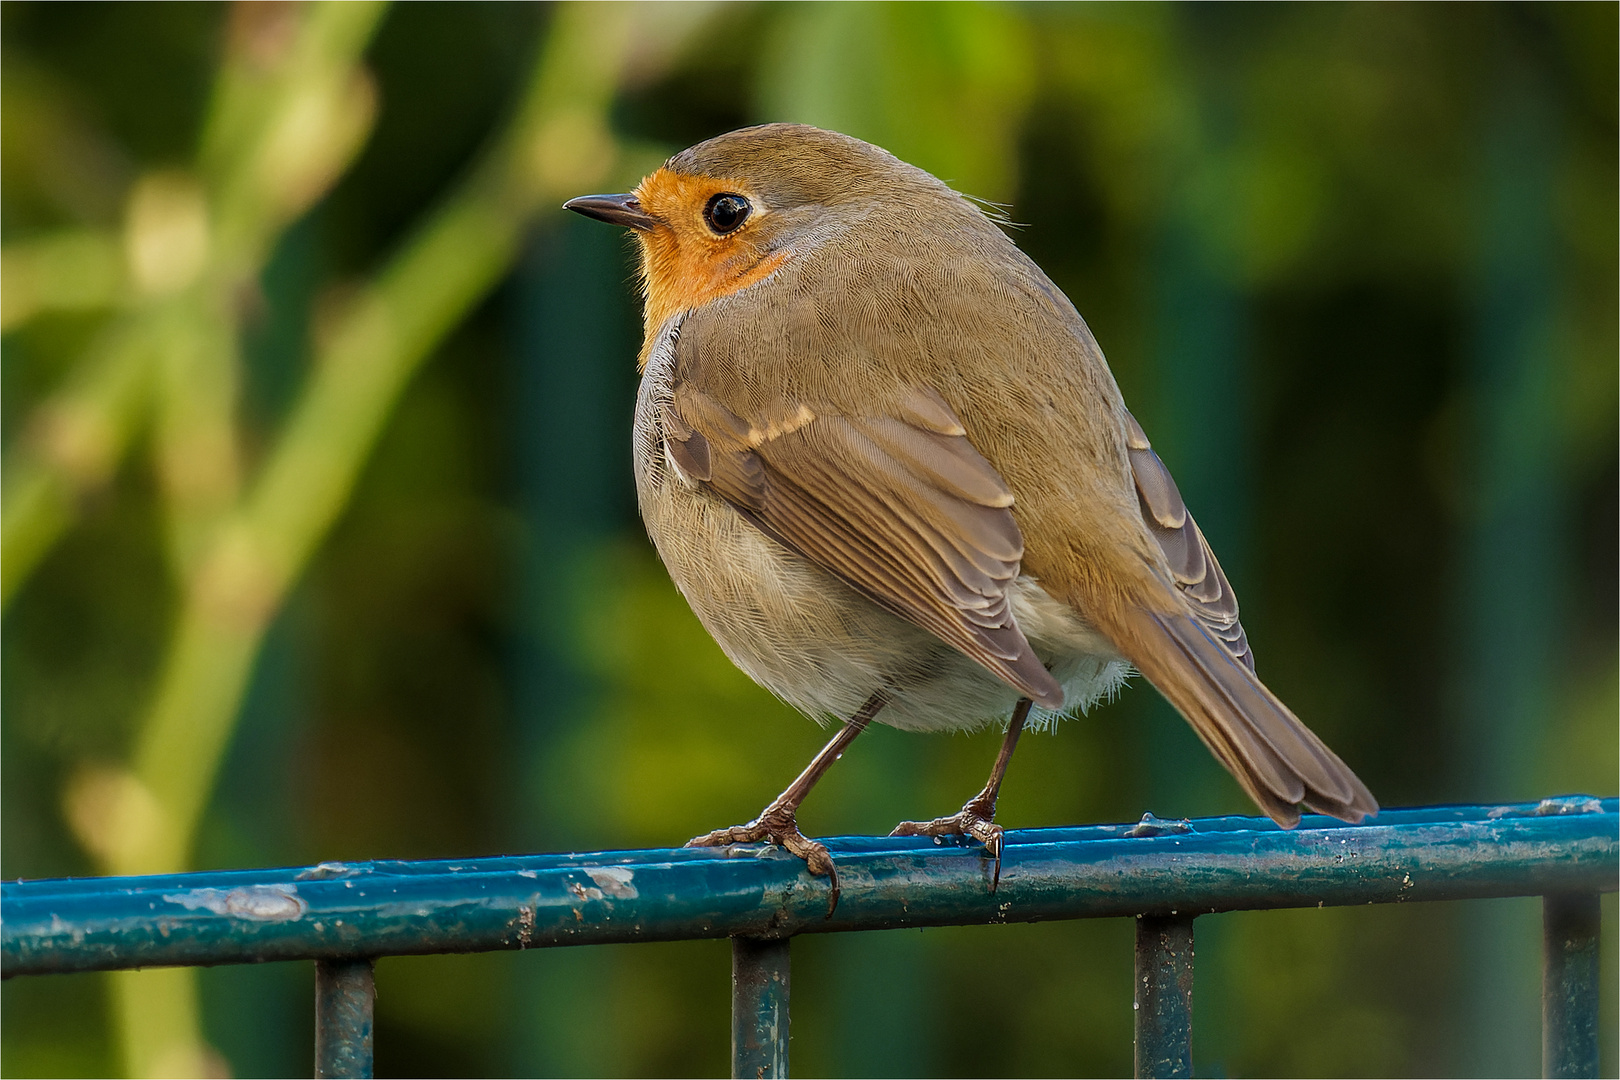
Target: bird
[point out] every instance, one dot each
(883, 458)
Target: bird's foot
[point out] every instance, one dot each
(778, 825)
(974, 819)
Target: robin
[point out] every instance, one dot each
(885, 461)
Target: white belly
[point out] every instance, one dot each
(817, 643)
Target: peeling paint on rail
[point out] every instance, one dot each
(337, 910)
(272, 903)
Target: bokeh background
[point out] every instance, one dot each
(320, 543)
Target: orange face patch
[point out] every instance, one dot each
(684, 264)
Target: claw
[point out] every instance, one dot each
(972, 820)
(779, 826)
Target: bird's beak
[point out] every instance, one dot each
(614, 209)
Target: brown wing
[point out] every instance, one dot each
(899, 505)
(1199, 658)
(1197, 573)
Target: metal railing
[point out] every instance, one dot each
(1163, 873)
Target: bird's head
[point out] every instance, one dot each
(729, 212)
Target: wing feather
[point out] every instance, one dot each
(1198, 575)
(899, 505)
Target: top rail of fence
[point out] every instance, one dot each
(382, 908)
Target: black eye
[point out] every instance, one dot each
(725, 212)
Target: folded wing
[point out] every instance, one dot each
(898, 504)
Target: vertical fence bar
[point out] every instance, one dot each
(1571, 926)
(759, 1008)
(1163, 998)
(345, 1002)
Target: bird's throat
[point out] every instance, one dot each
(678, 281)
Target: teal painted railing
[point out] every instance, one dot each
(1163, 873)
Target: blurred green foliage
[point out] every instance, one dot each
(319, 540)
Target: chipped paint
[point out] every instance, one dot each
(1557, 804)
(1156, 826)
(265, 903)
(584, 892)
(1570, 804)
(616, 881)
(525, 926)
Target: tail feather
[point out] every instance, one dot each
(1276, 758)
(1199, 658)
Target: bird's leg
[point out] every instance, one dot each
(778, 822)
(977, 816)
